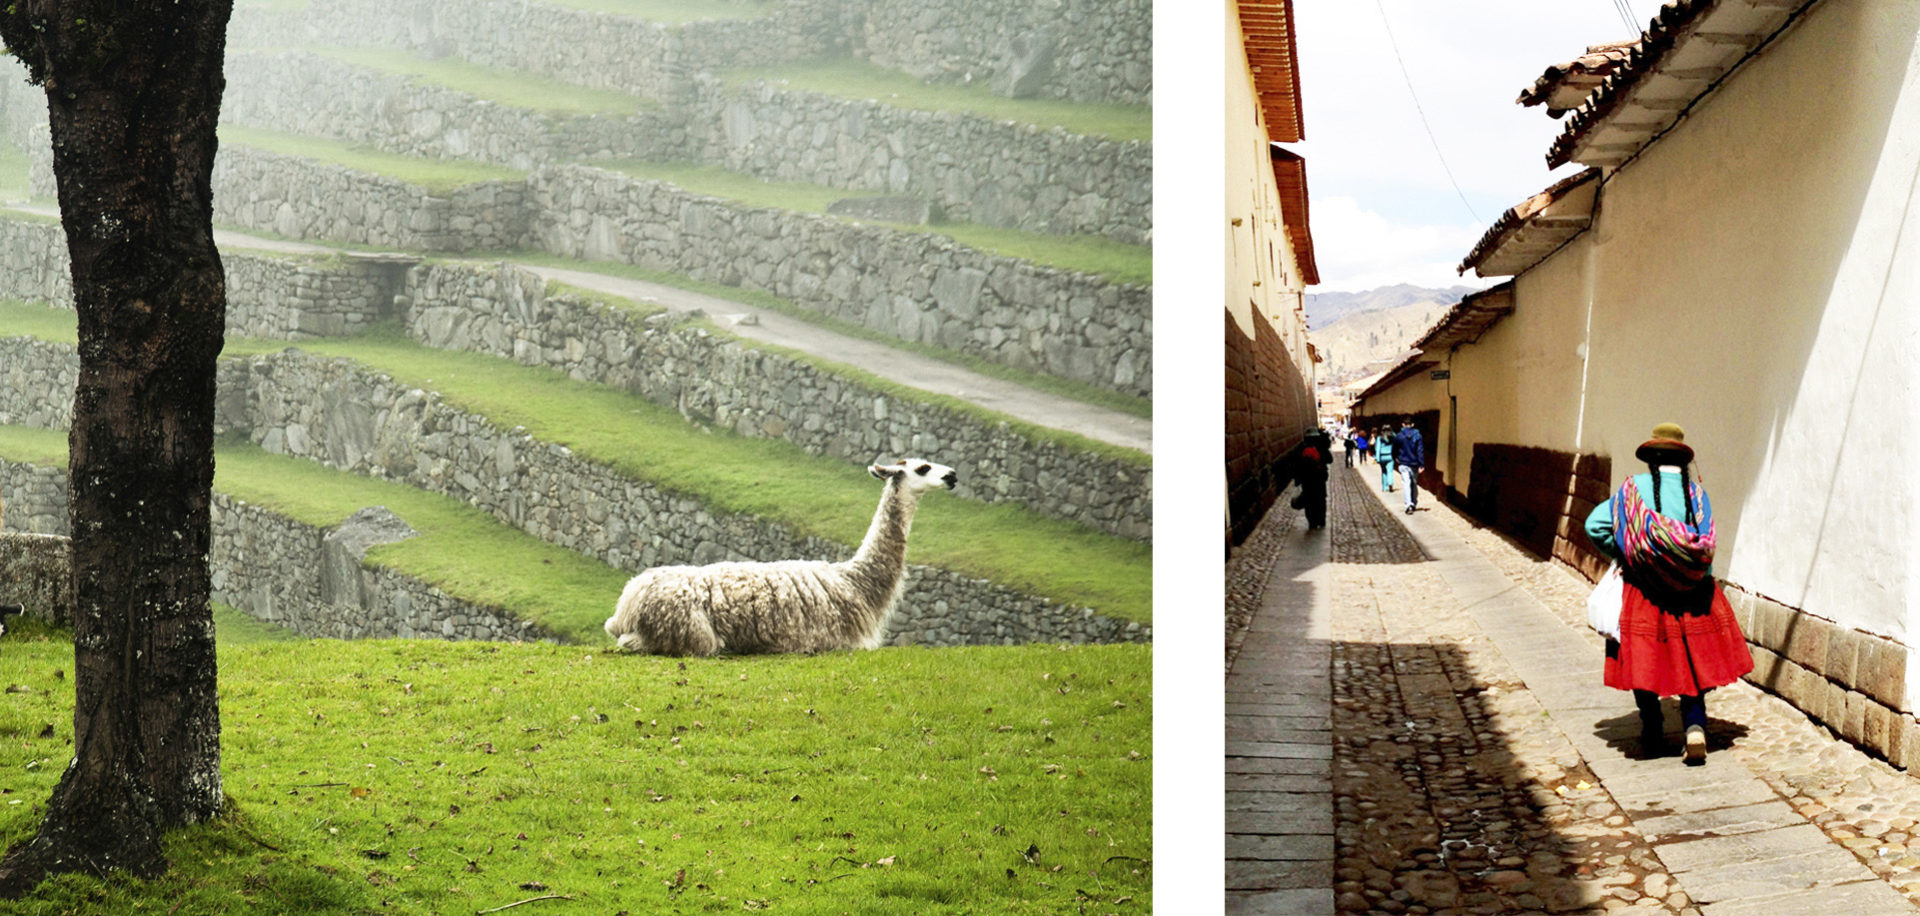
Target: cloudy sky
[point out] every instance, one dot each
(1383, 208)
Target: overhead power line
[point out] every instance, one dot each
(1411, 92)
(1626, 16)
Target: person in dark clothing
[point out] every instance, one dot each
(1410, 453)
(1352, 445)
(1307, 466)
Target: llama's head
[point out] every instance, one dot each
(916, 475)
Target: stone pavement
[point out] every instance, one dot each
(1473, 762)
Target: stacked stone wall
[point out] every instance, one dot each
(309, 94)
(1103, 49)
(710, 378)
(336, 413)
(506, 311)
(971, 168)
(1269, 408)
(974, 169)
(274, 297)
(918, 287)
(305, 199)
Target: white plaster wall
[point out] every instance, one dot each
(1754, 279)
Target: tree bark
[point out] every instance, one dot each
(133, 96)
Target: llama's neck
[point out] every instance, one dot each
(884, 553)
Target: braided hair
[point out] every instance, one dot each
(1686, 488)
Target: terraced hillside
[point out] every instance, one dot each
(662, 403)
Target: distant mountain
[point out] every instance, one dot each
(1326, 308)
(1354, 332)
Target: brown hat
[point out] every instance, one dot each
(1668, 446)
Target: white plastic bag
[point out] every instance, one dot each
(1603, 606)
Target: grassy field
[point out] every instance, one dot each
(1117, 261)
(1066, 388)
(428, 777)
(436, 176)
(506, 87)
(13, 173)
(858, 79)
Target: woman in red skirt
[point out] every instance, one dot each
(1677, 632)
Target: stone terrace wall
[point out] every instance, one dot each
(265, 564)
(37, 380)
(305, 199)
(978, 170)
(584, 48)
(331, 411)
(506, 312)
(1103, 48)
(975, 169)
(278, 297)
(314, 95)
(917, 287)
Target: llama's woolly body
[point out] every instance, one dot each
(786, 606)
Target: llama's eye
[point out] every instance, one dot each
(923, 469)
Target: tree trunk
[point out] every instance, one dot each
(133, 94)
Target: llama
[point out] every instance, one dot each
(786, 606)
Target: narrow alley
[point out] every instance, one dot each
(1416, 724)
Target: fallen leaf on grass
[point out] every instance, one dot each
(532, 886)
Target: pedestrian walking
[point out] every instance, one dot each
(1366, 445)
(1410, 453)
(1678, 636)
(1351, 445)
(1383, 456)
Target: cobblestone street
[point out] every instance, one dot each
(1416, 724)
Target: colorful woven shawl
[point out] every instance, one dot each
(1667, 551)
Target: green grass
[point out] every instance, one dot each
(436, 176)
(1039, 381)
(1091, 254)
(510, 88)
(715, 181)
(857, 79)
(20, 319)
(1098, 255)
(461, 550)
(234, 628)
(674, 11)
(427, 777)
(13, 172)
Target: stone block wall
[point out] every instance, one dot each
(916, 287)
(974, 169)
(504, 311)
(309, 94)
(1853, 682)
(333, 412)
(37, 381)
(1269, 409)
(306, 199)
(263, 563)
(1103, 49)
(290, 297)
(1541, 497)
(585, 48)
(34, 572)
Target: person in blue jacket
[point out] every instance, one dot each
(1410, 453)
(1383, 456)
